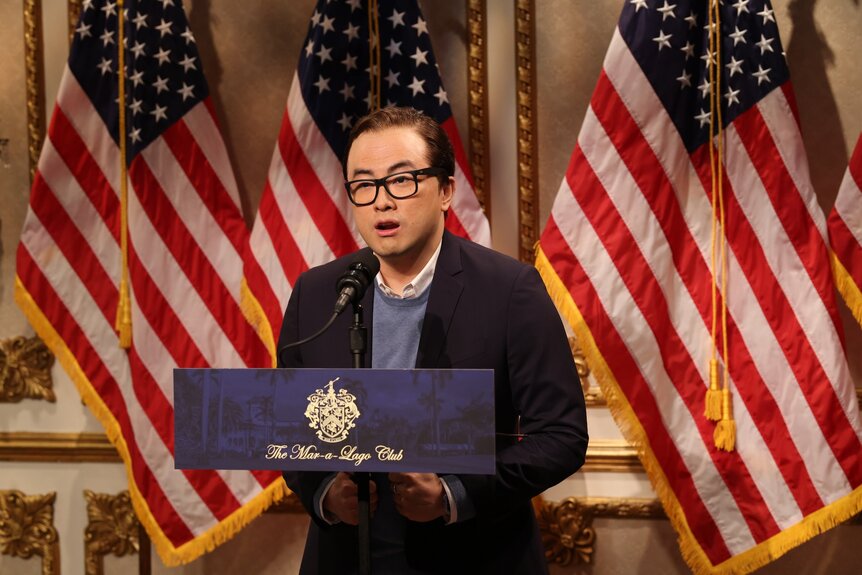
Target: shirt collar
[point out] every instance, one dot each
(418, 284)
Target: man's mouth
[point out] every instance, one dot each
(386, 228)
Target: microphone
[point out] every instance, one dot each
(352, 285)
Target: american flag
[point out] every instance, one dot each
(186, 237)
(305, 218)
(627, 253)
(845, 235)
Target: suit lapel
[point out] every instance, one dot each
(446, 290)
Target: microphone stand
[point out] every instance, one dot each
(358, 345)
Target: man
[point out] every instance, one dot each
(438, 302)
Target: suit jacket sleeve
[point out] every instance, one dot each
(544, 389)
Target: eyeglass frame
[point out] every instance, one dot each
(378, 182)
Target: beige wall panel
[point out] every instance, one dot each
(15, 170)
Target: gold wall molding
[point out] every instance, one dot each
(56, 447)
(567, 526)
(602, 454)
(477, 82)
(27, 528)
(34, 54)
(112, 527)
(74, 10)
(525, 70)
(592, 393)
(25, 370)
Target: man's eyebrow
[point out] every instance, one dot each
(392, 169)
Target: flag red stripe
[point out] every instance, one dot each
(319, 204)
(103, 383)
(453, 222)
(451, 128)
(211, 488)
(811, 378)
(787, 202)
(855, 165)
(189, 256)
(87, 172)
(75, 249)
(848, 251)
(209, 187)
(292, 260)
(626, 371)
(260, 286)
(653, 183)
(643, 286)
(163, 320)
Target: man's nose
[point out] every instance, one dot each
(383, 201)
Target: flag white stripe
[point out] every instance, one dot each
(80, 210)
(297, 218)
(324, 162)
(99, 332)
(659, 131)
(779, 118)
(465, 206)
(178, 291)
(79, 110)
(191, 210)
(206, 134)
(263, 251)
(683, 314)
(848, 205)
(623, 312)
(784, 261)
(159, 362)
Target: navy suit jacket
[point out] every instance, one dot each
(485, 310)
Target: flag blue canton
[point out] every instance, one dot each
(334, 64)
(164, 77)
(670, 41)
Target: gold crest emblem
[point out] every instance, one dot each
(332, 414)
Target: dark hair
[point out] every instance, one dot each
(440, 153)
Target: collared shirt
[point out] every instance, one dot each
(418, 284)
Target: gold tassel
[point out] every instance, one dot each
(712, 408)
(725, 430)
(124, 316)
(123, 322)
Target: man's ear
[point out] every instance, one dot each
(447, 191)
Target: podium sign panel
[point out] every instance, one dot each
(421, 420)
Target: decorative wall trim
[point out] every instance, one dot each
(567, 526)
(27, 528)
(528, 180)
(602, 454)
(592, 393)
(112, 527)
(57, 447)
(614, 455)
(74, 8)
(34, 55)
(477, 82)
(25, 370)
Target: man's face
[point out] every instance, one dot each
(401, 232)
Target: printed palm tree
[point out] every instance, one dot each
(232, 416)
(262, 408)
(472, 415)
(188, 390)
(432, 402)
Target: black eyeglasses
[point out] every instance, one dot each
(399, 186)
